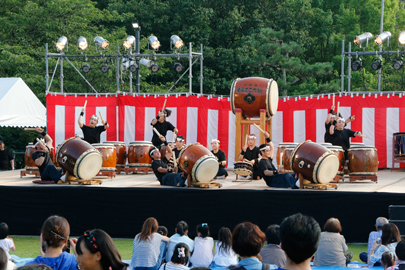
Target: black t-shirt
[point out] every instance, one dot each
(156, 164)
(220, 156)
(162, 128)
(328, 138)
(342, 138)
(47, 160)
(5, 156)
(252, 154)
(92, 135)
(265, 164)
(177, 152)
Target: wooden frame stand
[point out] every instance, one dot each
(206, 184)
(111, 174)
(120, 169)
(137, 169)
(30, 172)
(357, 177)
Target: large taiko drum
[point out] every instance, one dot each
(107, 150)
(363, 160)
(138, 154)
(79, 158)
(399, 145)
(242, 168)
(253, 94)
(286, 157)
(29, 162)
(197, 161)
(340, 153)
(121, 152)
(280, 149)
(314, 162)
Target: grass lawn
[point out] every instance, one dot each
(28, 247)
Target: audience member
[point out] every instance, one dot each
(147, 247)
(179, 237)
(6, 242)
(247, 241)
(162, 230)
(388, 261)
(95, 250)
(332, 246)
(203, 247)
(374, 235)
(224, 254)
(272, 253)
(55, 233)
(400, 252)
(299, 237)
(389, 239)
(180, 258)
(3, 259)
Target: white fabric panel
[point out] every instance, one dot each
(78, 130)
(346, 113)
(150, 114)
(299, 126)
(368, 127)
(172, 119)
(231, 140)
(254, 130)
(103, 111)
(129, 125)
(59, 124)
(321, 115)
(192, 125)
(277, 133)
(212, 127)
(392, 127)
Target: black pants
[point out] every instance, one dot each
(281, 180)
(51, 173)
(221, 172)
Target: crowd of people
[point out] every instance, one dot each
(295, 244)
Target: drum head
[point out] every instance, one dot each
(272, 98)
(327, 169)
(141, 142)
(88, 165)
(205, 169)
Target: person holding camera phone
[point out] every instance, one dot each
(373, 236)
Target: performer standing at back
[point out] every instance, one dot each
(91, 133)
(341, 136)
(162, 126)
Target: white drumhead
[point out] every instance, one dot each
(115, 142)
(272, 97)
(327, 169)
(140, 142)
(89, 165)
(206, 169)
(103, 145)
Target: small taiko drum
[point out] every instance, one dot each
(253, 94)
(138, 154)
(121, 152)
(107, 150)
(243, 168)
(197, 161)
(363, 160)
(399, 145)
(79, 158)
(280, 149)
(314, 162)
(29, 162)
(286, 157)
(340, 153)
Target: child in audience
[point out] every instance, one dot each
(179, 237)
(179, 260)
(6, 242)
(388, 261)
(162, 230)
(147, 246)
(224, 254)
(203, 247)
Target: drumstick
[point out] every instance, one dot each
(333, 101)
(174, 137)
(337, 112)
(164, 105)
(157, 132)
(85, 103)
(102, 120)
(246, 139)
(259, 128)
(174, 159)
(29, 129)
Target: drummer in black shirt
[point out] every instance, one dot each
(162, 126)
(341, 136)
(91, 133)
(329, 120)
(178, 146)
(220, 155)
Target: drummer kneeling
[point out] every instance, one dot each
(167, 176)
(270, 174)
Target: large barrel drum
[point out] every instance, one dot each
(363, 160)
(29, 162)
(107, 150)
(138, 154)
(253, 94)
(121, 151)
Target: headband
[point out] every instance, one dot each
(214, 140)
(41, 139)
(252, 136)
(61, 237)
(94, 117)
(153, 150)
(341, 119)
(264, 148)
(179, 139)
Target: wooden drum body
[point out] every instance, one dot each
(197, 161)
(138, 154)
(253, 94)
(399, 145)
(280, 149)
(29, 162)
(242, 168)
(340, 153)
(314, 162)
(121, 152)
(363, 160)
(79, 158)
(109, 155)
(287, 157)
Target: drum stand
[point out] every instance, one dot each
(206, 184)
(30, 171)
(355, 177)
(111, 174)
(308, 184)
(137, 169)
(119, 169)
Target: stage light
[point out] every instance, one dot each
(357, 65)
(146, 62)
(401, 38)
(154, 42)
(377, 64)
(397, 65)
(104, 68)
(154, 68)
(358, 40)
(136, 26)
(381, 38)
(86, 68)
(133, 68)
(129, 42)
(62, 42)
(82, 43)
(178, 67)
(103, 43)
(176, 41)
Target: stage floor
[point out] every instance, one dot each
(388, 181)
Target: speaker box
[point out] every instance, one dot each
(396, 212)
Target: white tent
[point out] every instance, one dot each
(19, 107)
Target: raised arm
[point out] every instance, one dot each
(80, 120)
(329, 114)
